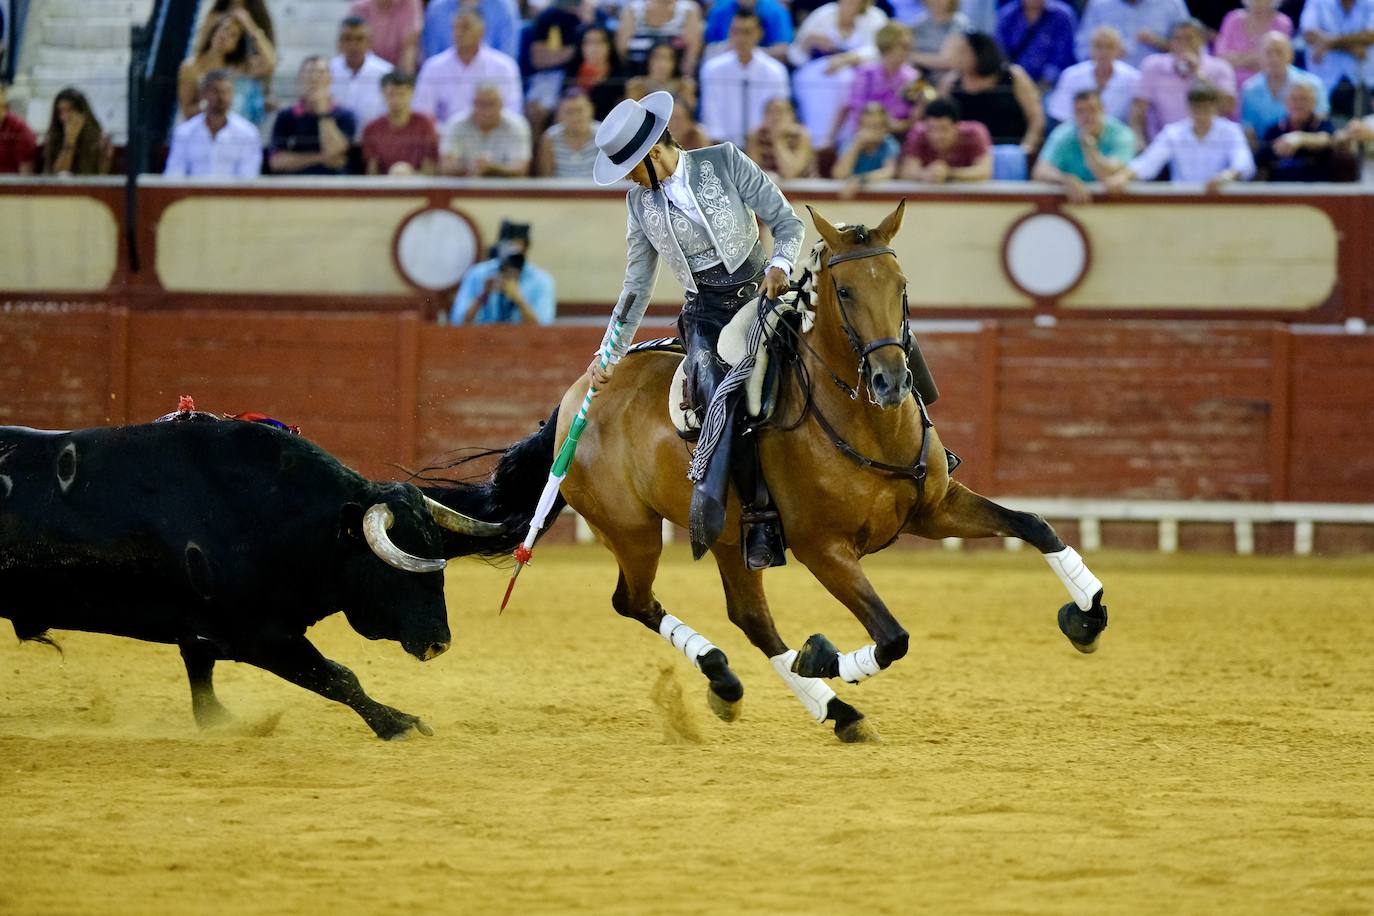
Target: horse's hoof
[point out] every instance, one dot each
(725, 710)
(716, 667)
(817, 657)
(859, 731)
(1084, 628)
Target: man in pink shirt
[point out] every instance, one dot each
(449, 80)
(395, 29)
(1161, 96)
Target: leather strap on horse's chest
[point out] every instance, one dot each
(916, 472)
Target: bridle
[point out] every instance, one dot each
(917, 471)
(862, 350)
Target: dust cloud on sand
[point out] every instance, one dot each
(1212, 757)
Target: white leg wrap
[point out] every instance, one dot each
(814, 693)
(685, 639)
(1075, 575)
(860, 664)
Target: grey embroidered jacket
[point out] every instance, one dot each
(729, 190)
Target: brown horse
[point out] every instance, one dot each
(848, 475)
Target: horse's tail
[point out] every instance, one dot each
(507, 497)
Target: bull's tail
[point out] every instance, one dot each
(507, 497)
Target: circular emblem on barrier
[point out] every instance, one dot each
(434, 247)
(1045, 255)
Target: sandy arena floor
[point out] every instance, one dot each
(1217, 755)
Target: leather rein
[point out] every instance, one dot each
(916, 472)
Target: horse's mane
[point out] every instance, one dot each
(858, 234)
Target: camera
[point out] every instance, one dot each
(513, 262)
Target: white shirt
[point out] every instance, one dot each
(734, 95)
(1117, 95)
(825, 21)
(445, 87)
(680, 195)
(234, 152)
(361, 92)
(1193, 160)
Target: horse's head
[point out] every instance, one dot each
(862, 294)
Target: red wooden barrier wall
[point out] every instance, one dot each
(1207, 410)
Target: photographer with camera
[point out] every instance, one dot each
(506, 289)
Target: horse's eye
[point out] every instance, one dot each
(843, 292)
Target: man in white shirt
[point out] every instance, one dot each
(738, 85)
(357, 74)
(1201, 149)
(215, 143)
(1104, 72)
(448, 81)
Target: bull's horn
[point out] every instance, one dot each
(375, 524)
(453, 520)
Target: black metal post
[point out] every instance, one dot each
(136, 149)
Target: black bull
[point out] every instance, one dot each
(228, 539)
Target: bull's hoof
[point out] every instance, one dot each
(858, 731)
(817, 657)
(263, 726)
(212, 716)
(1084, 628)
(724, 709)
(402, 726)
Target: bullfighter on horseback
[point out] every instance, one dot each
(696, 210)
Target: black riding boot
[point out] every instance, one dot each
(704, 374)
(760, 528)
(761, 533)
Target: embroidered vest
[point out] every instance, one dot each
(693, 239)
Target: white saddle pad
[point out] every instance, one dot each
(731, 347)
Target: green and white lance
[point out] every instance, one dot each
(564, 459)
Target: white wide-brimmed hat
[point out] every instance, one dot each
(627, 135)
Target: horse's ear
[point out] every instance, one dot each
(890, 226)
(827, 231)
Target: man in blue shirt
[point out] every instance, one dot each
(499, 16)
(506, 289)
(1142, 24)
(1038, 35)
(1263, 95)
(773, 16)
(1339, 35)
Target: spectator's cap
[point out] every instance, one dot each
(628, 133)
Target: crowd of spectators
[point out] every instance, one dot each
(861, 91)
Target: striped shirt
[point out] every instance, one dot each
(569, 162)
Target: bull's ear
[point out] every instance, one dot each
(351, 522)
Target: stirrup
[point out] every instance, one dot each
(761, 539)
